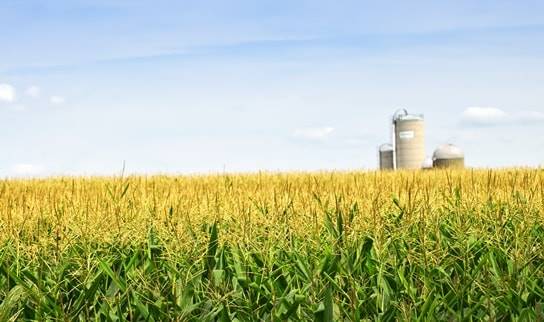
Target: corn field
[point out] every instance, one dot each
(427, 245)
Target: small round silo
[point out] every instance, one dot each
(386, 157)
(448, 156)
(427, 164)
(409, 136)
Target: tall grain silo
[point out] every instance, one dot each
(448, 156)
(385, 153)
(409, 140)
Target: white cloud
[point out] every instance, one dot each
(7, 93)
(56, 100)
(25, 169)
(33, 91)
(482, 116)
(17, 108)
(529, 117)
(316, 133)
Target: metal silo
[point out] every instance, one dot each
(386, 157)
(448, 156)
(427, 164)
(409, 140)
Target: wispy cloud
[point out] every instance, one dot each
(489, 116)
(33, 91)
(7, 93)
(56, 100)
(17, 107)
(26, 169)
(484, 116)
(530, 117)
(314, 133)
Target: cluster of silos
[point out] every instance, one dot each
(408, 148)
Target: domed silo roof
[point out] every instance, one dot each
(427, 164)
(386, 147)
(403, 115)
(448, 156)
(448, 151)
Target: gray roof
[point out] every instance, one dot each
(448, 151)
(386, 147)
(409, 117)
(403, 115)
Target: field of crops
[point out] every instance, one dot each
(426, 245)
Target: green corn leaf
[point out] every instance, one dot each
(10, 302)
(114, 277)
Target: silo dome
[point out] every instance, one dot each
(448, 151)
(386, 147)
(428, 163)
(448, 156)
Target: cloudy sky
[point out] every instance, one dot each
(210, 86)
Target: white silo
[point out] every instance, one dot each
(428, 163)
(409, 140)
(385, 153)
(448, 156)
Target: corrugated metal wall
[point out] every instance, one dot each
(386, 160)
(449, 163)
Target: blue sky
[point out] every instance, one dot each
(212, 86)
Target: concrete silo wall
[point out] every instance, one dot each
(410, 143)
